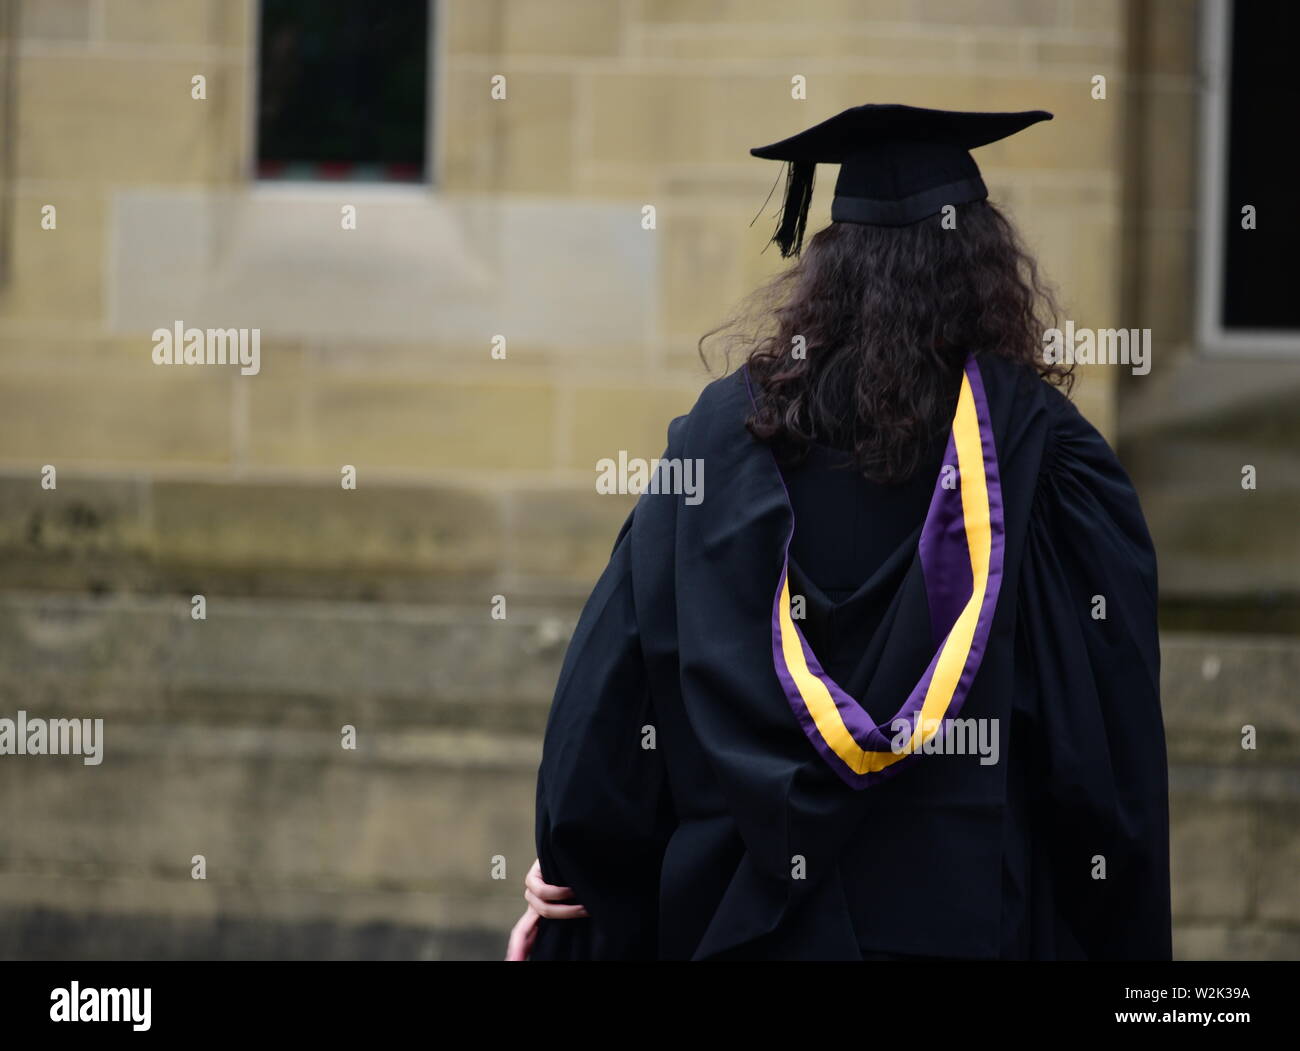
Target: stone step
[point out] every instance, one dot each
(413, 845)
(61, 917)
(1214, 538)
(426, 812)
(309, 663)
(277, 662)
(389, 540)
(222, 738)
(1213, 686)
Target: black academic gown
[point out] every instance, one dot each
(732, 838)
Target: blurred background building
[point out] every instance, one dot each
(517, 223)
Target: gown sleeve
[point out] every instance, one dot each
(1089, 650)
(603, 810)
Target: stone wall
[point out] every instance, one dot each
(376, 341)
(1229, 557)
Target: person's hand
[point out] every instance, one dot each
(522, 936)
(548, 900)
(544, 899)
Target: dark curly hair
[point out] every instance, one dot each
(887, 316)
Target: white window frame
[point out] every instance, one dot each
(1211, 336)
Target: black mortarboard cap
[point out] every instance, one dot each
(898, 164)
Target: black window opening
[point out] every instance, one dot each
(1257, 267)
(343, 90)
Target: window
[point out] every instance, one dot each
(342, 90)
(1247, 300)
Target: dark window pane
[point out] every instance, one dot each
(342, 89)
(1259, 265)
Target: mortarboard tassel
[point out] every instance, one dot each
(794, 214)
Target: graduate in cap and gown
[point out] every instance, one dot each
(890, 689)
